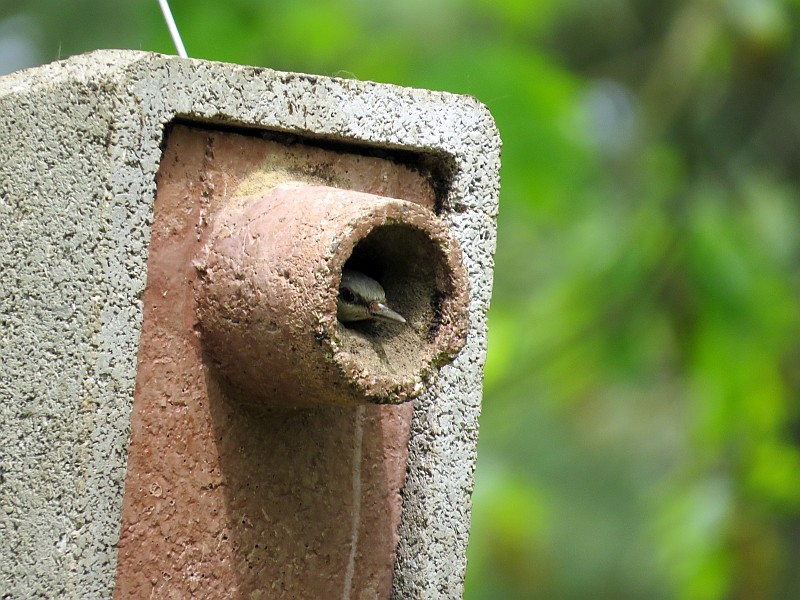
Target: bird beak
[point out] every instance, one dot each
(381, 311)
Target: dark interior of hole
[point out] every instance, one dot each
(410, 267)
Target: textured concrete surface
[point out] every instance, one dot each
(80, 143)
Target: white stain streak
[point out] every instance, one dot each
(351, 560)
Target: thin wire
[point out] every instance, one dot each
(173, 29)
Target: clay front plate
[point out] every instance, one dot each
(223, 502)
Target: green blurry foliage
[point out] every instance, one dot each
(640, 429)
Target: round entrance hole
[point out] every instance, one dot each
(413, 271)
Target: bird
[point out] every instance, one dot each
(361, 298)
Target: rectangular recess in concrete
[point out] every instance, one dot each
(221, 500)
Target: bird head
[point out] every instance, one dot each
(361, 298)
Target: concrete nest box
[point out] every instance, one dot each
(176, 240)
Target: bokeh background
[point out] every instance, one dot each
(640, 431)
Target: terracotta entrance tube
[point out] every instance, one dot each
(268, 284)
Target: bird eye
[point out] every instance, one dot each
(347, 295)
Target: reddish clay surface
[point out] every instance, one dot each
(222, 501)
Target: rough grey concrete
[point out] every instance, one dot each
(79, 149)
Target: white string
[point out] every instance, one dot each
(173, 29)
